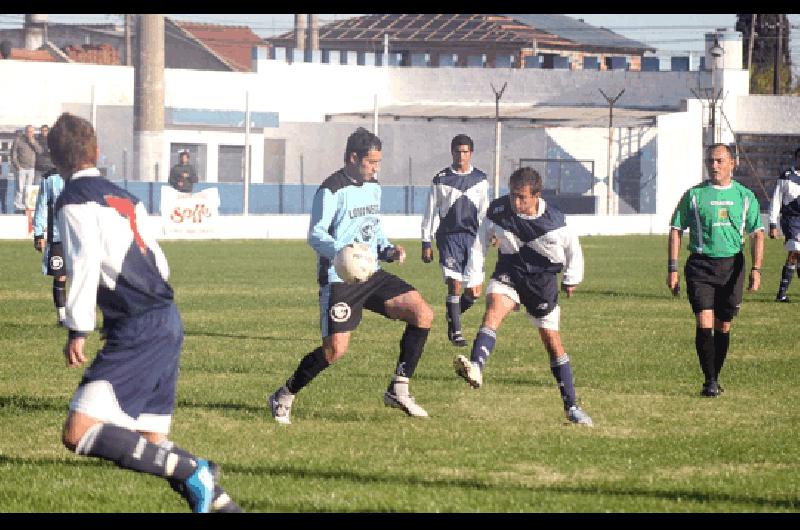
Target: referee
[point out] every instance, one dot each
(718, 213)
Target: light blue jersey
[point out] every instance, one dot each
(49, 190)
(345, 212)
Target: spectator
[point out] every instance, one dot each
(183, 176)
(23, 160)
(43, 161)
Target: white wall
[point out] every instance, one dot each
(768, 114)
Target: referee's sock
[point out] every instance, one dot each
(704, 343)
(483, 346)
(310, 366)
(721, 342)
(786, 279)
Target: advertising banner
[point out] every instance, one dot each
(189, 214)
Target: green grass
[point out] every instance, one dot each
(250, 312)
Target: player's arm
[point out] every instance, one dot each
(323, 211)
(80, 234)
(775, 208)
(573, 266)
(673, 251)
(429, 221)
(40, 216)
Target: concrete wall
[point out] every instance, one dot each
(768, 114)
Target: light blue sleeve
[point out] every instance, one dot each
(323, 211)
(383, 243)
(40, 213)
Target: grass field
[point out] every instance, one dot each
(250, 313)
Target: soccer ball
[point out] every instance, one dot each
(355, 263)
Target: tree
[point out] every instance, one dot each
(764, 43)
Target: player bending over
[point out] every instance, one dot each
(535, 244)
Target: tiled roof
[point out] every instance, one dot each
(579, 32)
(94, 54)
(21, 54)
(233, 44)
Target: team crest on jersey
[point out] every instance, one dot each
(367, 231)
(340, 312)
(450, 262)
(504, 278)
(56, 262)
(722, 214)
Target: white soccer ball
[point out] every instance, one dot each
(354, 263)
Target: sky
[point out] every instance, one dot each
(669, 33)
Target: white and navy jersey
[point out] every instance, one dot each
(786, 198)
(50, 188)
(528, 244)
(456, 203)
(111, 262)
(344, 212)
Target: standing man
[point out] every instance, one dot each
(50, 188)
(718, 213)
(183, 176)
(345, 212)
(457, 204)
(43, 161)
(534, 245)
(786, 206)
(23, 161)
(123, 407)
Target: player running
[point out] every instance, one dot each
(785, 206)
(50, 243)
(457, 204)
(534, 245)
(345, 211)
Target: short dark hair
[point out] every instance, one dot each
(361, 142)
(461, 139)
(725, 146)
(72, 143)
(526, 176)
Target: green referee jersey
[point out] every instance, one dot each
(717, 218)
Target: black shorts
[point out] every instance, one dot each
(55, 260)
(341, 304)
(715, 283)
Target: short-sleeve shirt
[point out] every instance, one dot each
(717, 218)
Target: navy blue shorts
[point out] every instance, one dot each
(133, 379)
(454, 250)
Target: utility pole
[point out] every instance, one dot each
(497, 96)
(752, 41)
(610, 191)
(246, 197)
(776, 77)
(128, 58)
(148, 97)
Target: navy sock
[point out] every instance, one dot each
(786, 279)
(131, 450)
(483, 346)
(721, 343)
(59, 292)
(411, 345)
(453, 313)
(562, 371)
(177, 485)
(704, 343)
(467, 301)
(311, 365)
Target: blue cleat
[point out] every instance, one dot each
(200, 488)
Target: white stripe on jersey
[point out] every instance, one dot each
(786, 191)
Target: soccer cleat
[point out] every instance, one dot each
(784, 299)
(200, 488)
(224, 504)
(575, 414)
(456, 338)
(281, 405)
(405, 403)
(470, 371)
(710, 389)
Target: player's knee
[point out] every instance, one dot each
(70, 437)
(423, 315)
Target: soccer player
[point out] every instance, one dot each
(457, 204)
(123, 406)
(50, 243)
(534, 245)
(718, 213)
(786, 206)
(345, 211)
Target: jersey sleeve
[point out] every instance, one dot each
(680, 217)
(322, 212)
(477, 254)
(573, 254)
(483, 205)
(80, 233)
(753, 220)
(40, 212)
(430, 218)
(777, 202)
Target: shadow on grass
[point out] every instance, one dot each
(190, 333)
(33, 403)
(622, 294)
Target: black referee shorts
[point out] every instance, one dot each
(716, 284)
(341, 305)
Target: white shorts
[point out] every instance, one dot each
(549, 321)
(97, 399)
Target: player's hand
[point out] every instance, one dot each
(38, 244)
(773, 233)
(674, 283)
(399, 254)
(569, 289)
(755, 281)
(427, 254)
(73, 351)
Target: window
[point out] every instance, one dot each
(197, 157)
(231, 163)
